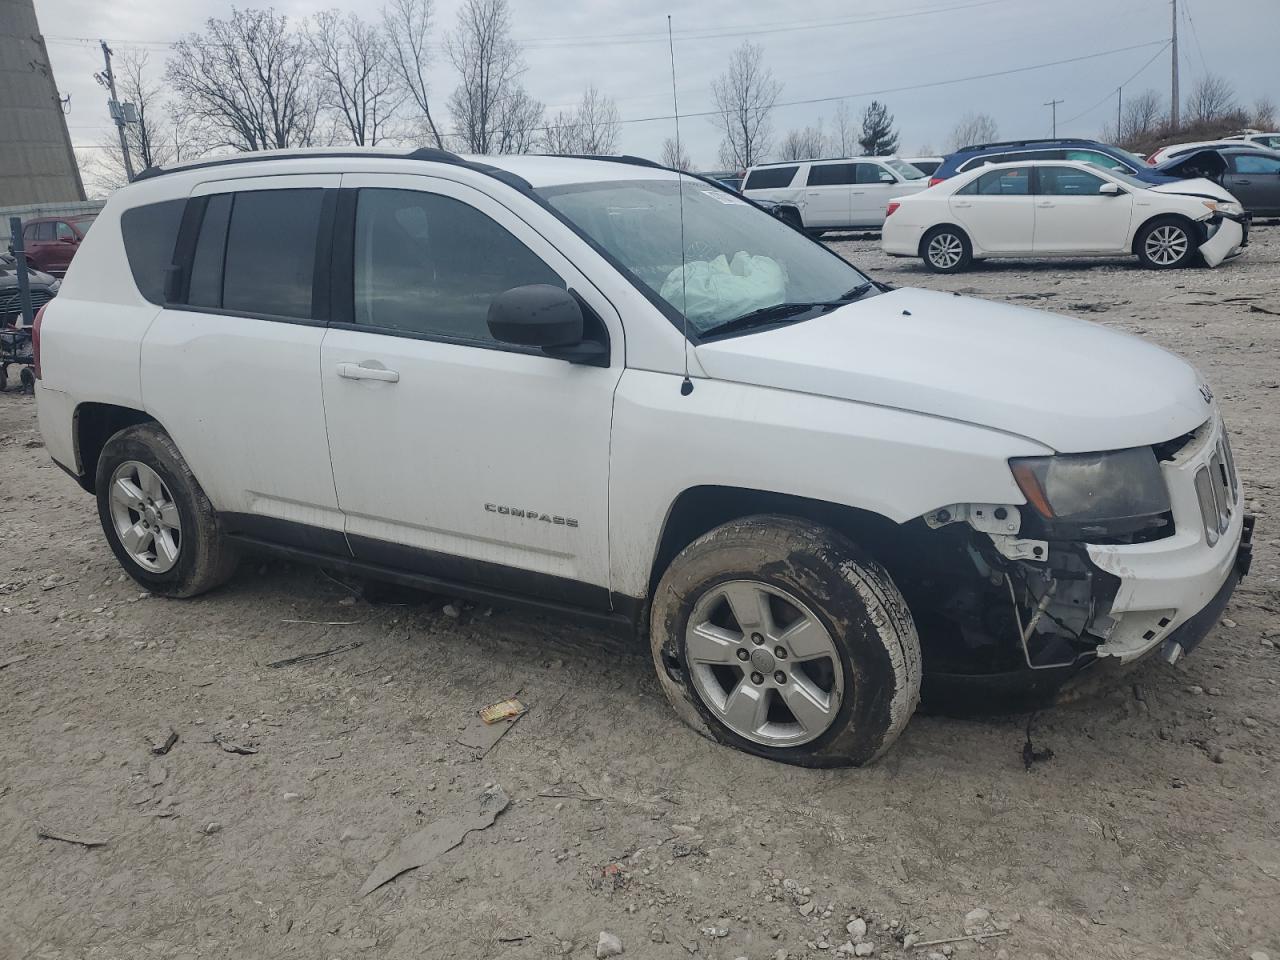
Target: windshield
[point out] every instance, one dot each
(738, 259)
(903, 169)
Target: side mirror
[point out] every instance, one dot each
(69, 239)
(548, 317)
(1110, 190)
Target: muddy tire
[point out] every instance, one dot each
(1166, 243)
(782, 638)
(946, 250)
(159, 523)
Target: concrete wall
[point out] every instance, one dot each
(37, 164)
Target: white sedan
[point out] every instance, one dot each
(1063, 208)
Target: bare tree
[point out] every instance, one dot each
(744, 97)
(807, 144)
(248, 80)
(592, 128)
(407, 25)
(355, 74)
(560, 134)
(973, 128)
(1264, 114)
(844, 135)
(675, 156)
(489, 97)
(1141, 116)
(1211, 98)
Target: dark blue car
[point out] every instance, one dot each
(1017, 151)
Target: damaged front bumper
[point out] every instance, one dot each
(1226, 236)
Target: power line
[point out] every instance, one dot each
(1107, 96)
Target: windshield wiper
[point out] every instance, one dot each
(783, 311)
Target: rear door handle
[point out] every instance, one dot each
(358, 371)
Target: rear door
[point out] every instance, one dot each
(231, 365)
(828, 194)
(1254, 180)
(996, 210)
(1071, 216)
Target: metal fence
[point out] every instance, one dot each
(71, 208)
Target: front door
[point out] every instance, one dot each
(454, 455)
(1254, 180)
(1073, 217)
(996, 211)
(874, 187)
(827, 195)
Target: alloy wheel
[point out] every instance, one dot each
(945, 251)
(763, 663)
(145, 517)
(1166, 245)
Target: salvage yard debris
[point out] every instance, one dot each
(230, 746)
(43, 833)
(318, 655)
(438, 837)
(502, 710)
(163, 744)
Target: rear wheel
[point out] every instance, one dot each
(1165, 244)
(946, 250)
(159, 523)
(781, 638)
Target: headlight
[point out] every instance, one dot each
(1095, 494)
(1224, 206)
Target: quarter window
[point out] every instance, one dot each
(429, 264)
(767, 177)
(1068, 182)
(150, 233)
(271, 252)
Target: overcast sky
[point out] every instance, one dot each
(839, 48)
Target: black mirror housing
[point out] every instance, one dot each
(536, 315)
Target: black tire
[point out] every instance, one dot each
(940, 257)
(206, 559)
(1147, 246)
(848, 593)
(28, 379)
(816, 234)
(791, 220)
(4, 377)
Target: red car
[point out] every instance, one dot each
(51, 242)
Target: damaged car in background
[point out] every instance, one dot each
(667, 412)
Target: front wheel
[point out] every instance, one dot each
(781, 638)
(1165, 244)
(159, 523)
(946, 250)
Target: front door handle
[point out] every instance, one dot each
(961, 203)
(1239, 180)
(1045, 203)
(358, 371)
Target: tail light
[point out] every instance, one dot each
(893, 205)
(934, 181)
(35, 339)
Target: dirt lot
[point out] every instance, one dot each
(1153, 831)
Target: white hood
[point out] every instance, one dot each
(1199, 187)
(1069, 384)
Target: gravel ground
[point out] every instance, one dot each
(1151, 832)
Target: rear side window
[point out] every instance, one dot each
(44, 231)
(1014, 182)
(150, 233)
(431, 265)
(770, 177)
(831, 174)
(211, 246)
(271, 252)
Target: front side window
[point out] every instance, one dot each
(1013, 182)
(736, 257)
(1252, 163)
(767, 177)
(831, 174)
(64, 231)
(1068, 182)
(871, 172)
(431, 265)
(271, 252)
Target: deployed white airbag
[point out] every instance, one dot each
(718, 290)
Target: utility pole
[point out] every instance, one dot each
(1054, 105)
(1119, 111)
(117, 112)
(1173, 94)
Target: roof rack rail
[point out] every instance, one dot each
(258, 156)
(609, 158)
(1024, 143)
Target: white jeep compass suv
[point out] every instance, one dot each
(594, 386)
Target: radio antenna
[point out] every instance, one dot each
(686, 385)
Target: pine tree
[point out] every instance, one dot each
(878, 138)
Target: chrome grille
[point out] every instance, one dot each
(1217, 489)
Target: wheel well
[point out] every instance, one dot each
(939, 226)
(95, 424)
(700, 509)
(1197, 230)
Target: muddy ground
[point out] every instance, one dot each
(1153, 831)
